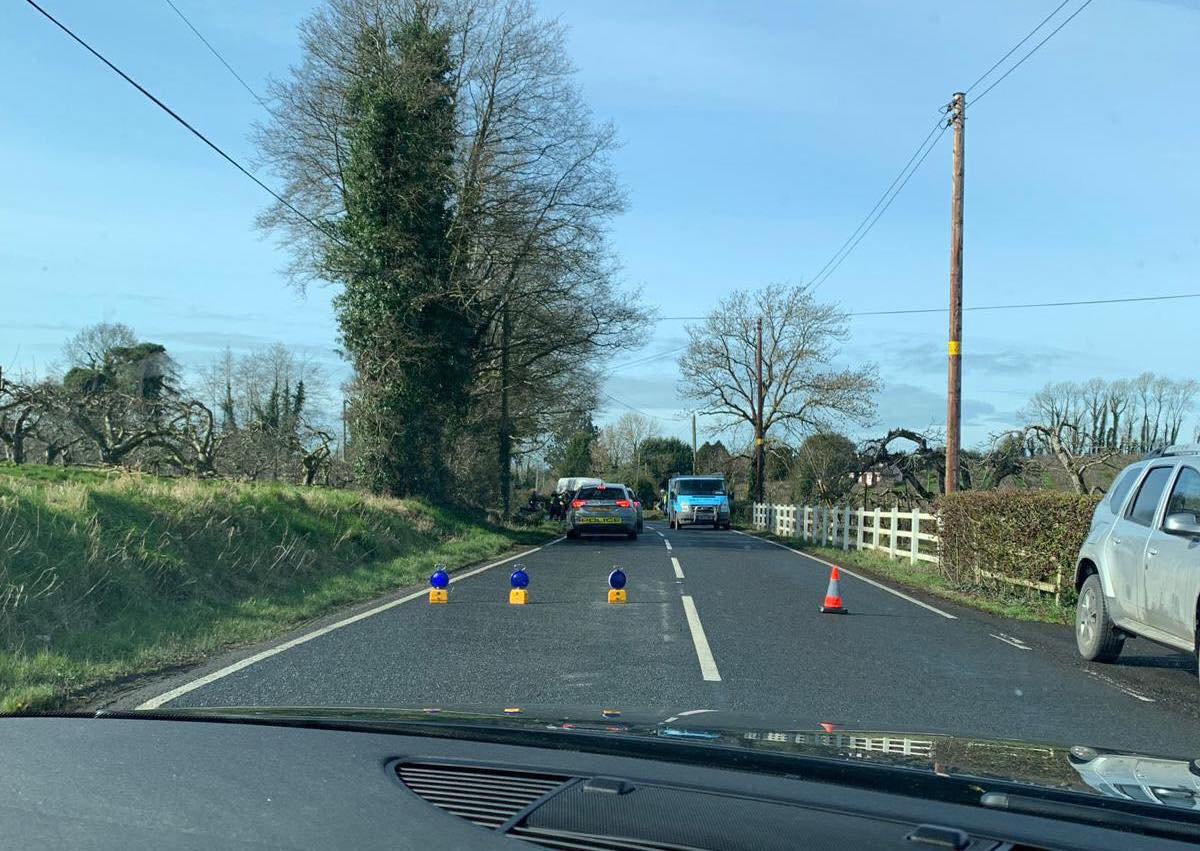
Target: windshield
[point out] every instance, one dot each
(700, 487)
(604, 493)
(329, 308)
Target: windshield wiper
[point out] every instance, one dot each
(1105, 812)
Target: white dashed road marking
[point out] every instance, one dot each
(1008, 639)
(167, 697)
(668, 543)
(678, 569)
(1119, 687)
(708, 665)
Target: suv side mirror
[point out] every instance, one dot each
(1182, 523)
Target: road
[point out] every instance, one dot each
(725, 621)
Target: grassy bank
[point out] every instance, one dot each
(104, 576)
(1009, 604)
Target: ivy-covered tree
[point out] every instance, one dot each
(409, 339)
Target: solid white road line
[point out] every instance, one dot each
(708, 665)
(1008, 639)
(857, 576)
(678, 569)
(167, 697)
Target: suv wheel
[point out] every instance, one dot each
(1097, 638)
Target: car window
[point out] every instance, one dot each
(1134, 791)
(1185, 496)
(1148, 495)
(1116, 496)
(601, 493)
(701, 487)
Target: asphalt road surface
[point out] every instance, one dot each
(725, 621)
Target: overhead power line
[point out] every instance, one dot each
(881, 200)
(647, 359)
(220, 58)
(1031, 305)
(900, 312)
(635, 409)
(175, 115)
(1021, 61)
(911, 171)
(1014, 48)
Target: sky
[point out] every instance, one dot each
(754, 138)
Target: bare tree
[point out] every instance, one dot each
(804, 389)
(21, 412)
(1057, 406)
(1095, 396)
(1056, 421)
(1179, 403)
(91, 344)
(1118, 404)
(632, 430)
(316, 449)
(914, 466)
(825, 467)
(191, 436)
(244, 384)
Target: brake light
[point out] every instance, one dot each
(622, 503)
(577, 503)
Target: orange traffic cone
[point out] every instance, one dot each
(833, 597)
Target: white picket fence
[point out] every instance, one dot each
(895, 532)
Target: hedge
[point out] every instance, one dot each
(1023, 535)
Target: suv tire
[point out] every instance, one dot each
(632, 536)
(1096, 636)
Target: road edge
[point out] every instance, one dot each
(149, 691)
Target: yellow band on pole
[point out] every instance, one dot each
(955, 348)
(758, 441)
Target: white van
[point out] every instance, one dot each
(574, 483)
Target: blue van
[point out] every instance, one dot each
(698, 499)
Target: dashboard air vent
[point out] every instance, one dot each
(486, 796)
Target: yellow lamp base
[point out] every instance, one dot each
(439, 595)
(615, 596)
(518, 597)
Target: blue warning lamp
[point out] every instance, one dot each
(617, 579)
(439, 579)
(519, 578)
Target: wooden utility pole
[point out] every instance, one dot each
(958, 108)
(694, 451)
(759, 466)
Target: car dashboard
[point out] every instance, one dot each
(131, 783)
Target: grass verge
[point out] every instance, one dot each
(107, 576)
(996, 601)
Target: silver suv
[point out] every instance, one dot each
(1138, 572)
(602, 509)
